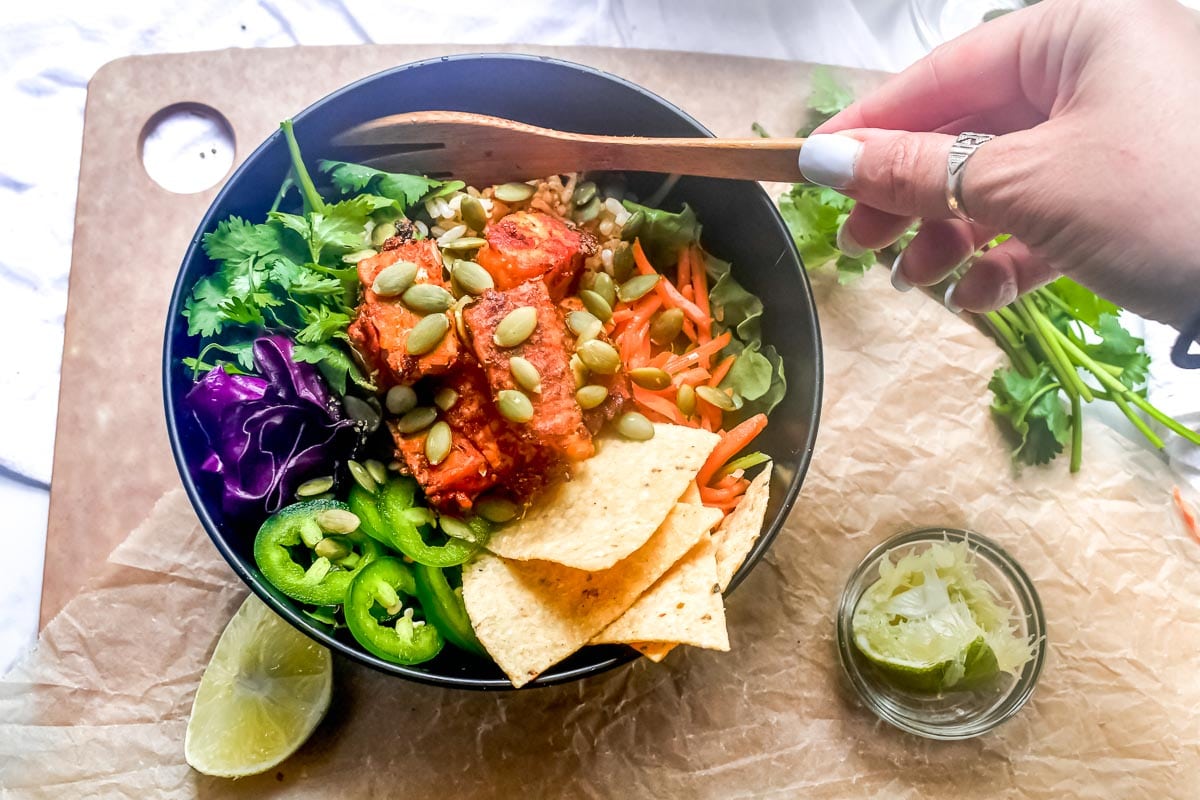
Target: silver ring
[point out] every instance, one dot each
(956, 166)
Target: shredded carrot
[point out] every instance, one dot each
(661, 359)
(733, 441)
(644, 309)
(689, 330)
(727, 482)
(659, 405)
(692, 357)
(1187, 514)
(621, 315)
(667, 290)
(687, 292)
(683, 275)
(700, 283)
(706, 424)
(721, 371)
(710, 413)
(693, 377)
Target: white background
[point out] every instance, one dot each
(49, 51)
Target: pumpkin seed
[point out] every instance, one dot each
(361, 476)
(471, 278)
(457, 529)
(395, 279)
(465, 243)
(315, 486)
(650, 378)
(590, 210)
(376, 469)
(584, 325)
(633, 425)
(418, 419)
(597, 305)
(517, 326)
(445, 398)
(457, 232)
(666, 326)
(513, 192)
(525, 374)
(427, 334)
(360, 410)
(629, 230)
(357, 256)
(578, 371)
(333, 549)
(427, 298)
(599, 356)
(603, 285)
(497, 509)
(438, 442)
(685, 399)
(316, 572)
(584, 193)
(590, 396)
(394, 466)
(382, 232)
(311, 533)
(716, 397)
(400, 400)
(637, 287)
(473, 213)
(337, 520)
(460, 325)
(514, 405)
(623, 264)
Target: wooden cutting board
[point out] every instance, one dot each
(111, 458)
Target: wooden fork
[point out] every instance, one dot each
(486, 150)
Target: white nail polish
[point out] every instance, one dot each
(948, 300)
(898, 282)
(846, 243)
(828, 159)
(1007, 294)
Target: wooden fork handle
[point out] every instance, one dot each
(466, 137)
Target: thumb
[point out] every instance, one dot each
(905, 173)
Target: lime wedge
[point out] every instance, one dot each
(930, 624)
(264, 691)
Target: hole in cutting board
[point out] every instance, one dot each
(187, 147)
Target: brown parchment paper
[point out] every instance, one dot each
(99, 709)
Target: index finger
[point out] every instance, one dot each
(977, 73)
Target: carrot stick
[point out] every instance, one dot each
(695, 377)
(667, 290)
(730, 444)
(658, 404)
(692, 357)
(683, 275)
(689, 329)
(700, 283)
(721, 371)
(661, 359)
(687, 292)
(622, 315)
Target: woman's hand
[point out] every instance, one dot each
(1095, 169)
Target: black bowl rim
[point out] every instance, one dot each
(291, 614)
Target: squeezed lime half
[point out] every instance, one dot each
(930, 624)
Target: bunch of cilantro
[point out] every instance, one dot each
(1066, 345)
(294, 273)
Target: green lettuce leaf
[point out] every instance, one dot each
(664, 234)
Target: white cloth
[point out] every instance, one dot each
(49, 51)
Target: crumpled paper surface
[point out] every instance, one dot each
(99, 709)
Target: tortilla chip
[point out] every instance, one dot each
(655, 651)
(612, 505)
(741, 528)
(683, 607)
(530, 615)
(691, 495)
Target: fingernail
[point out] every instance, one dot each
(898, 282)
(846, 242)
(828, 159)
(948, 300)
(1008, 293)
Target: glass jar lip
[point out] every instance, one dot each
(874, 695)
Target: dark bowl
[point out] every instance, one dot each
(741, 224)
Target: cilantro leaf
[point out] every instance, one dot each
(759, 130)
(237, 240)
(1086, 306)
(334, 364)
(405, 190)
(663, 234)
(203, 306)
(827, 96)
(1120, 348)
(1032, 413)
(323, 324)
(813, 214)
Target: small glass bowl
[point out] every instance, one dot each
(952, 714)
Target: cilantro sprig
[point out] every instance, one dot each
(290, 274)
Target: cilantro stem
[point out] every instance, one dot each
(1054, 300)
(1049, 335)
(1059, 365)
(1118, 388)
(1008, 340)
(312, 199)
(1137, 421)
(1076, 433)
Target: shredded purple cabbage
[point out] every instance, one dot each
(268, 435)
